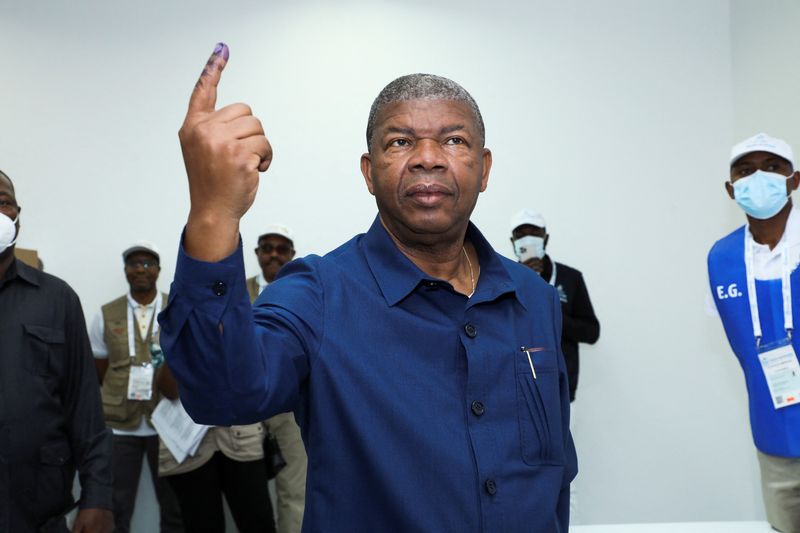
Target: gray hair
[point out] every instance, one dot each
(422, 87)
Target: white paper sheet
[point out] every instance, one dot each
(181, 435)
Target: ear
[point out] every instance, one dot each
(487, 166)
(293, 252)
(546, 238)
(366, 171)
(729, 188)
(792, 182)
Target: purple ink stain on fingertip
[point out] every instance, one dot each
(222, 50)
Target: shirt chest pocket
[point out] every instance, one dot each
(539, 406)
(45, 353)
(247, 438)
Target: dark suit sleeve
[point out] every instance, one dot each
(90, 441)
(581, 325)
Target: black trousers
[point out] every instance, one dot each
(127, 462)
(245, 486)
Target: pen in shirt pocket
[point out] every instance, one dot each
(528, 352)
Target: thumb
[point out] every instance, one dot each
(204, 95)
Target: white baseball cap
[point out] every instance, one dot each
(278, 229)
(141, 246)
(527, 216)
(762, 143)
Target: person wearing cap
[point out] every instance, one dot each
(229, 461)
(275, 249)
(51, 421)
(529, 238)
(579, 323)
(755, 285)
(124, 338)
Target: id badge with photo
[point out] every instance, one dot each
(782, 371)
(140, 382)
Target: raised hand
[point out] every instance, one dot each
(223, 150)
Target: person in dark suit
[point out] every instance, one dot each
(51, 420)
(579, 323)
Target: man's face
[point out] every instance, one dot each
(8, 201)
(141, 271)
(764, 161)
(273, 252)
(426, 167)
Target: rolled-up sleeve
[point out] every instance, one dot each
(236, 364)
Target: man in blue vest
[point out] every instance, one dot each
(756, 287)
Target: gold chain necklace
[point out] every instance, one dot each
(471, 274)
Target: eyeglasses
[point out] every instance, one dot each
(267, 248)
(139, 263)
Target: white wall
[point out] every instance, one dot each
(614, 118)
(765, 80)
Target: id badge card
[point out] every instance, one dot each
(782, 371)
(140, 382)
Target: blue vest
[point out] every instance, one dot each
(775, 431)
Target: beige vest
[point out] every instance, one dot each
(120, 412)
(252, 288)
(240, 443)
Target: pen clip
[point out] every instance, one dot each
(528, 352)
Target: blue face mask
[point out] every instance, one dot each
(761, 194)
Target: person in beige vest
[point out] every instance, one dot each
(275, 249)
(124, 338)
(229, 461)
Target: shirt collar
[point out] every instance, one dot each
(790, 237)
(134, 304)
(397, 276)
(18, 269)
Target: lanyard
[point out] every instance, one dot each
(153, 327)
(553, 275)
(786, 287)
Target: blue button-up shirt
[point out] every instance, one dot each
(419, 408)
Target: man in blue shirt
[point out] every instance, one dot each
(424, 369)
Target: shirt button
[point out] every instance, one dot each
(478, 408)
(219, 288)
(491, 486)
(471, 331)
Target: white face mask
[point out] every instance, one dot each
(529, 247)
(8, 232)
